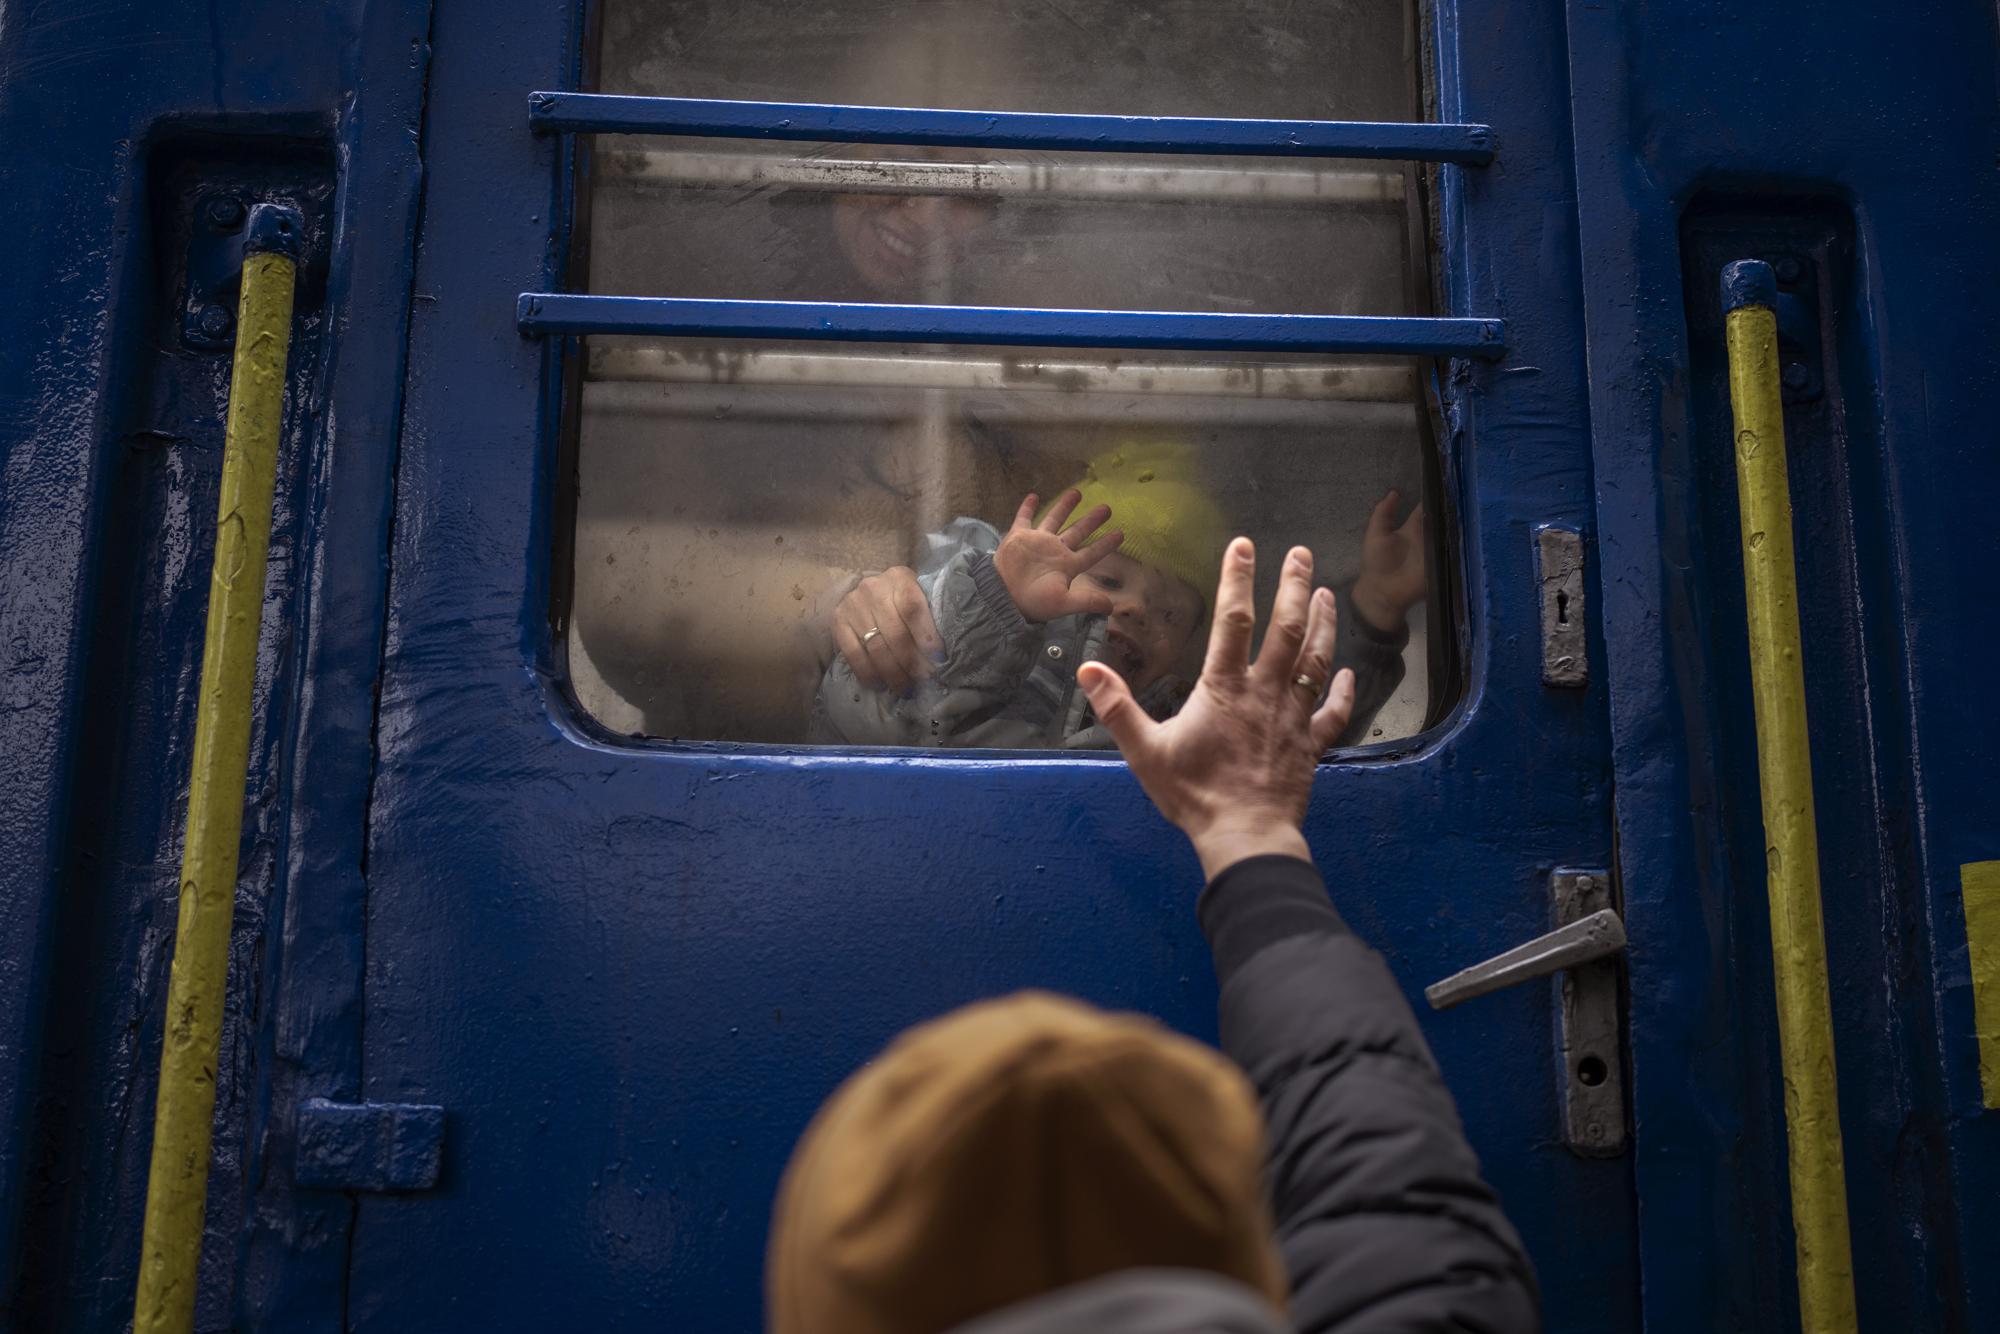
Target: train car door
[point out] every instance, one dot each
(628, 967)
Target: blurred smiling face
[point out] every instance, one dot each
(1153, 618)
(894, 241)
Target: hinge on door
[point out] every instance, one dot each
(370, 1146)
(1800, 331)
(1584, 948)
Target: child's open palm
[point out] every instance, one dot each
(1393, 578)
(1039, 562)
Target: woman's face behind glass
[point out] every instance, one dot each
(895, 242)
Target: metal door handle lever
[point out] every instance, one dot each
(1598, 936)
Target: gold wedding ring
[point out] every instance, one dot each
(1307, 684)
(874, 632)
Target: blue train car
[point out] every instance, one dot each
(629, 344)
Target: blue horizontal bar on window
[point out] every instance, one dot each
(1413, 141)
(543, 313)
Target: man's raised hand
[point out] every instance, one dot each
(1233, 769)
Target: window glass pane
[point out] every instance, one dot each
(724, 218)
(747, 513)
(729, 497)
(1281, 59)
(744, 218)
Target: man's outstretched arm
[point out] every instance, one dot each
(1383, 1217)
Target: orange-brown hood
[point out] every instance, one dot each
(1009, 1149)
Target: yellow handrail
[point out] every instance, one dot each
(177, 1184)
(1784, 766)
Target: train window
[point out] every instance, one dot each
(798, 542)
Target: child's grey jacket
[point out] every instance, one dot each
(1007, 683)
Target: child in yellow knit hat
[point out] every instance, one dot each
(1127, 583)
(1162, 544)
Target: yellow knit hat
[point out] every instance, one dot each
(1167, 518)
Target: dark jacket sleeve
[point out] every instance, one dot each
(1377, 659)
(1382, 1215)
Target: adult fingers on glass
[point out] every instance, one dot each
(1278, 656)
(1235, 614)
(885, 631)
(1298, 649)
(856, 656)
(894, 649)
(1335, 698)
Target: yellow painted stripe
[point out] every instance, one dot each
(1979, 884)
(1784, 765)
(177, 1185)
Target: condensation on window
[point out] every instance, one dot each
(802, 543)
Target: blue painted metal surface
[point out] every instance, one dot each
(119, 121)
(599, 113)
(1767, 113)
(1748, 282)
(273, 229)
(630, 972)
(543, 313)
(689, 946)
(213, 271)
(374, 1146)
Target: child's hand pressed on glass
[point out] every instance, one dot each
(1392, 578)
(1039, 562)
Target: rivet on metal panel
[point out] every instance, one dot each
(1559, 566)
(224, 229)
(223, 213)
(1799, 333)
(215, 321)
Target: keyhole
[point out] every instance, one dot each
(1590, 1071)
(1562, 607)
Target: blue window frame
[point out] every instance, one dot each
(644, 333)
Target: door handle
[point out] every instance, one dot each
(1586, 940)
(1589, 935)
